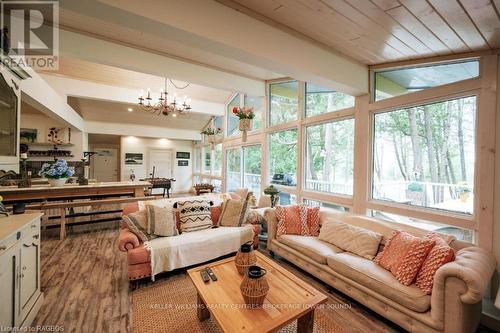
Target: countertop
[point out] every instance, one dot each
(12, 223)
(5, 189)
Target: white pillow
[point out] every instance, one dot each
(360, 241)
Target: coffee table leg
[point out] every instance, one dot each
(203, 313)
(305, 324)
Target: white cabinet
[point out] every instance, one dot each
(20, 294)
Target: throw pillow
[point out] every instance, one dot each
(234, 213)
(440, 254)
(289, 220)
(313, 222)
(412, 262)
(214, 215)
(161, 221)
(360, 241)
(137, 223)
(403, 255)
(194, 215)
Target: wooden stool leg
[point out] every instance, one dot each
(305, 324)
(62, 233)
(202, 311)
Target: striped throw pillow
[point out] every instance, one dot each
(137, 223)
(194, 215)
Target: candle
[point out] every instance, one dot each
(24, 155)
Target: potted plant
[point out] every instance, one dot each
(245, 115)
(463, 191)
(415, 192)
(57, 173)
(211, 133)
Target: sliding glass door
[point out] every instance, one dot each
(244, 169)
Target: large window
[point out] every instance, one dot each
(424, 155)
(206, 164)
(233, 173)
(251, 168)
(232, 120)
(329, 158)
(218, 122)
(218, 159)
(243, 169)
(283, 102)
(283, 157)
(322, 100)
(257, 103)
(197, 160)
(397, 82)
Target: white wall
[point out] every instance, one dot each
(42, 123)
(182, 175)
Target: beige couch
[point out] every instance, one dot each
(453, 307)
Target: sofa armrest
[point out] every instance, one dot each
(272, 224)
(474, 266)
(458, 289)
(128, 240)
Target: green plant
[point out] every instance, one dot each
(415, 187)
(211, 131)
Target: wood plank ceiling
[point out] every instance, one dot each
(380, 31)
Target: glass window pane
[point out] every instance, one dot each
(322, 100)
(218, 159)
(397, 82)
(315, 203)
(461, 234)
(232, 120)
(283, 157)
(424, 155)
(217, 183)
(287, 199)
(283, 104)
(206, 165)
(197, 160)
(251, 158)
(257, 103)
(233, 177)
(218, 122)
(330, 157)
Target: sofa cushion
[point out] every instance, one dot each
(137, 223)
(161, 221)
(310, 246)
(360, 241)
(289, 220)
(376, 278)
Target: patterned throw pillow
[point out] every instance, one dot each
(214, 214)
(194, 215)
(403, 255)
(289, 220)
(313, 223)
(137, 223)
(440, 254)
(161, 221)
(234, 213)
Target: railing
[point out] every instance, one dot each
(250, 180)
(329, 187)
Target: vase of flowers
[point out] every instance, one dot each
(57, 173)
(245, 115)
(211, 133)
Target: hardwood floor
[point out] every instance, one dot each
(84, 279)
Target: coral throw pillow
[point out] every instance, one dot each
(440, 254)
(313, 221)
(404, 254)
(289, 220)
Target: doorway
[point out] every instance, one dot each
(161, 161)
(105, 164)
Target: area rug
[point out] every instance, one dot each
(169, 306)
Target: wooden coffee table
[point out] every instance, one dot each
(289, 298)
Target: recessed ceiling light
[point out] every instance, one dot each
(174, 115)
(130, 109)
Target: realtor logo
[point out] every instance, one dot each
(30, 34)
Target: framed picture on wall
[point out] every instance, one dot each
(28, 135)
(183, 155)
(183, 163)
(133, 158)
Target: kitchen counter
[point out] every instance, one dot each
(12, 223)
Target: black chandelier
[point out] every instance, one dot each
(164, 106)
